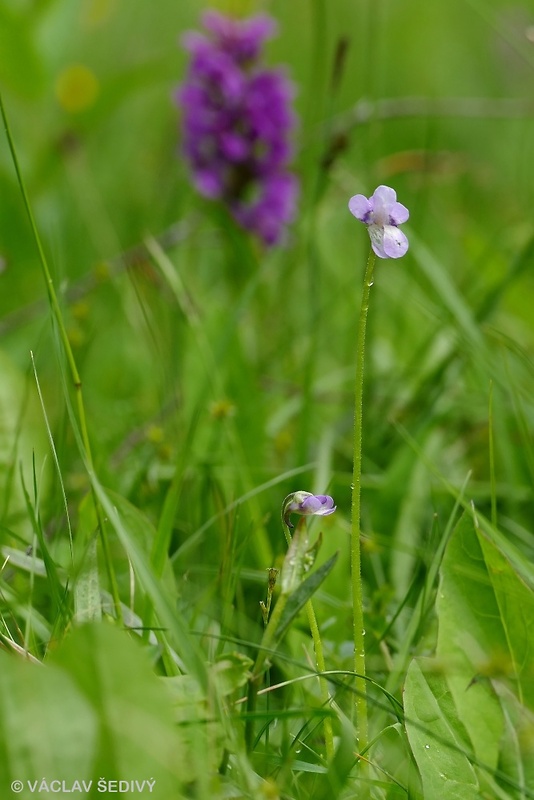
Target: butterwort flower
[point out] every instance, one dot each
(237, 121)
(306, 504)
(382, 214)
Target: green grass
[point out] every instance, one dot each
(138, 520)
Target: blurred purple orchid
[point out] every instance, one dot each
(237, 118)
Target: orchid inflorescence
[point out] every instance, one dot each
(237, 121)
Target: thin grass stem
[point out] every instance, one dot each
(493, 483)
(69, 355)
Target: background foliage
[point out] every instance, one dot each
(218, 377)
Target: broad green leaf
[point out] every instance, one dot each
(169, 616)
(293, 568)
(87, 599)
(28, 562)
(515, 601)
(137, 737)
(142, 531)
(436, 735)
(484, 655)
(300, 597)
(48, 729)
(230, 672)
(202, 738)
(517, 745)
(97, 709)
(471, 640)
(519, 562)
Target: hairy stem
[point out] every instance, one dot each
(356, 572)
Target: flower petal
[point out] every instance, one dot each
(318, 504)
(383, 200)
(208, 183)
(398, 214)
(376, 234)
(360, 207)
(311, 505)
(394, 242)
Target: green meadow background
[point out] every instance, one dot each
(218, 377)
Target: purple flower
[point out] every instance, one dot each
(306, 504)
(242, 39)
(382, 214)
(237, 118)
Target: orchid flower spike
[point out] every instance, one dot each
(382, 214)
(306, 504)
(238, 121)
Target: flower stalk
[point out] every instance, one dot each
(299, 560)
(382, 214)
(356, 567)
(307, 504)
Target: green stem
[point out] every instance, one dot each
(75, 376)
(493, 484)
(321, 666)
(356, 572)
(323, 684)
